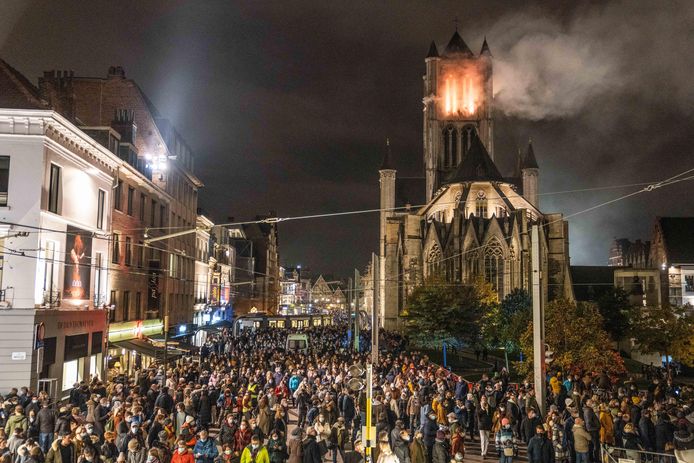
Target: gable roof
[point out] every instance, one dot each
(476, 165)
(677, 235)
(16, 92)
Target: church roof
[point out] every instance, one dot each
(457, 46)
(677, 236)
(16, 92)
(387, 163)
(529, 161)
(433, 51)
(476, 166)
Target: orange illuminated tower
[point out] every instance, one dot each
(458, 101)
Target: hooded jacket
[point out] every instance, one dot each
(55, 456)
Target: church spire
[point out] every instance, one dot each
(529, 161)
(433, 50)
(387, 163)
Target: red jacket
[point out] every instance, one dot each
(186, 457)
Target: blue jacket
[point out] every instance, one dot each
(207, 451)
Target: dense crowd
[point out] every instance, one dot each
(243, 388)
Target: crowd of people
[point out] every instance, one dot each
(248, 400)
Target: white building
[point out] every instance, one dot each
(55, 217)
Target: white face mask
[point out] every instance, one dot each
(254, 446)
(181, 450)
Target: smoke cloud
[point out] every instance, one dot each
(547, 68)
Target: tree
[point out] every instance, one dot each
(576, 335)
(618, 313)
(503, 324)
(440, 311)
(666, 330)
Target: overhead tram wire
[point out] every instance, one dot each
(649, 187)
(394, 209)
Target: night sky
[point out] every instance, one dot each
(287, 105)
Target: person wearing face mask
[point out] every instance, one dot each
(136, 452)
(277, 447)
(228, 431)
(205, 450)
(227, 454)
(109, 451)
(401, 442)
(182, 454)
(242, 437)
(255, 452)
(88, 456)
(429, 429)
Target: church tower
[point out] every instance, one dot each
(458, 101)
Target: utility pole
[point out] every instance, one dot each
(538, 320)
(374, 310)
(357, 312)
(370, 439)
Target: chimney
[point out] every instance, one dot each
(116, 71)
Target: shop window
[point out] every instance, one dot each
(76, 346)
(72, 373)
(95, 362)
(97, 342)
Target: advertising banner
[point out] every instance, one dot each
(76, 282)
(153, 293)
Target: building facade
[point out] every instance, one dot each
(464, 220)
(55, 187)
(161, 200)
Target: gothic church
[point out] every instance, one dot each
(463, 220)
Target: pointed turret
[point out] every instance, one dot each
(529, 161)
(433, 50)
(387, 163)
(485, 48)
(457, 46)
(530, 173)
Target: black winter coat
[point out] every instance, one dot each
(647, 433)
(311, 451)
(540, 450)
(664, 433)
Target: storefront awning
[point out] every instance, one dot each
(184, 347)
(150, 348)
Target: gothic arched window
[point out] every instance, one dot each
(434, 260)
(450, 146)
(466, 135)
(481, 204)
(494, 265)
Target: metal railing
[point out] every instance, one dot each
(611, 454)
